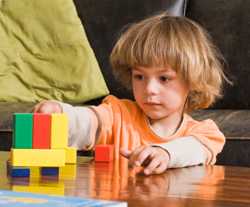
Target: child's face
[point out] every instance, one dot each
(159, 91)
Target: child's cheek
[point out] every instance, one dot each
(172, 99)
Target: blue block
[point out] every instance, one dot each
(17, 171)
(49, 171)
(22, 172)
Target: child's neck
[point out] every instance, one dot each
(167, 126)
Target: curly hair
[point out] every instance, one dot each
(178, 42)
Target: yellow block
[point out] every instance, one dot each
(40, 188)
(34, 172)
(70, 153)
(68, 172)
(59, 131)
(38, 157)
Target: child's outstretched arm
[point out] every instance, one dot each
(155, 159)
(184, 152)
(83, 123)
(200, 145)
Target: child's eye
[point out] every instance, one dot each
(138, 77)
(164, 78)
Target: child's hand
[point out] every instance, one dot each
(154, 159)
(48, 107)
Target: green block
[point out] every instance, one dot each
(22, 130)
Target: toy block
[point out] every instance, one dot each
(49, 171)
(104, 153)
(67, 172)
(41, 131)
(70, 155)
(34, 172)
(17, 171)
(22, 128)
(59, 131)
(38, 157)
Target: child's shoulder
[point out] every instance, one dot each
(195, 123)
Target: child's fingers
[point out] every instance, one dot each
(149, 169)
(131, 155)
(126, 153)
(133, 159)
(161, 168)
(36, 109)
(42, 107)
(47, 107)
(144, 155)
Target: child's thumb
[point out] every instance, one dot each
(125, 152)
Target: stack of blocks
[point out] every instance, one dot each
(40, 140)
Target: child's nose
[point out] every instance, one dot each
(152, 87)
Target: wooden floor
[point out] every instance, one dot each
(193, 186)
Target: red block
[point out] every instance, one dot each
(41, 131)
(104, 153)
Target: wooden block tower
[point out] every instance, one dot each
(40, 140)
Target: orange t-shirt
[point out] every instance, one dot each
(125, 125)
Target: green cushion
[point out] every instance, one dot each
(45, 54)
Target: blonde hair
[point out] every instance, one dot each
(178, 42)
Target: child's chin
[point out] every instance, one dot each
(154, 116)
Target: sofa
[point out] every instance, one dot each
(226, 20)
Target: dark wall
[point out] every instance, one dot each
(228, 21)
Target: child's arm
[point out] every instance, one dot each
(201, 145)
(83, 123)
(181, 152)
(185, 151)
(83, 126)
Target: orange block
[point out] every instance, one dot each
(104, 153)
(41, 131)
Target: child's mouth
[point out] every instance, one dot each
(152, 104)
